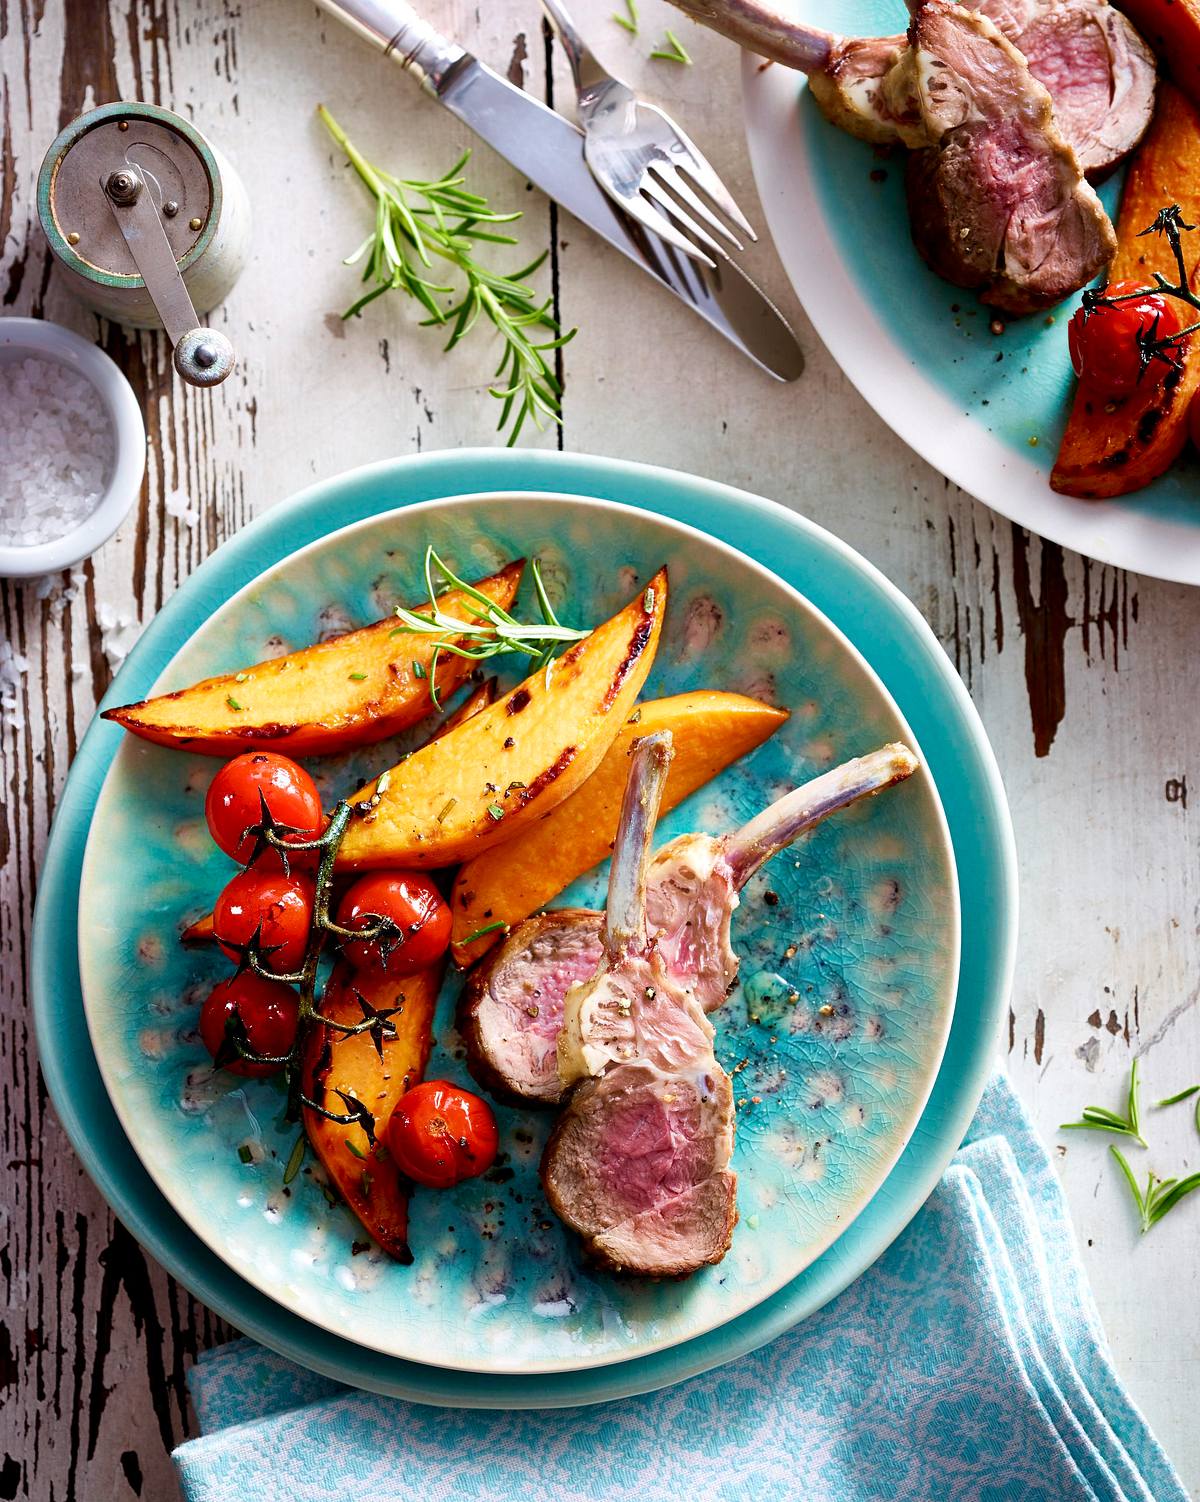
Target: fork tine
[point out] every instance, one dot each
(674, 179)
(693, 161)
(657, 222)
(653, 188)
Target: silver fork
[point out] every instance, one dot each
(642, 159)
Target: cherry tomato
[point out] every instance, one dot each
(1103, 342)
(234, 805)
(269, 1012)
(418, 912)
(440, 1134)
(267, 908)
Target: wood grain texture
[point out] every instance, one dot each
(1087, 678)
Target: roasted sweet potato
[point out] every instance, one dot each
(376, 1071)
(348, 691)
(490, 779)
(506, 884)
(1116, 445)
(481, 697)
(1172, 28)
(200, 932)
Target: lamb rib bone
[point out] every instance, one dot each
(511, 1009)
(1100, 73)
(638, 1163)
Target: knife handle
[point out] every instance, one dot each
(402, 35)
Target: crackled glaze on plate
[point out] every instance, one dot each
(848, 980)
(987, 409)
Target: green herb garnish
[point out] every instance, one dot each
(416, 221)
(232, 702)
(1173, 1100)
(450, 802)
(672, 51)
(492, 629)
(358, 677)
(417, 667)
(295, 1158)
(1097, 1119)
(355, 1149)
(488, 928)
(629, 20)
(245, 1154)
(1159, 1195)
(495, 811)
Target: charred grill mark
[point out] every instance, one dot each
(541, 782)
(637, 646)
(518, 701)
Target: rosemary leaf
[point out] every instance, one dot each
(1100, 1119)
(488, 928)
(1173, 1100)
(630, 20)
(1133, 1185)
(295, 1158)
(354, 1148)
(418, 223)
(672, 51)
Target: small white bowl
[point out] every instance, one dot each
(20, 337)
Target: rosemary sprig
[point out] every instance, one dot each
(417, 221)
(1159, 1195)
(1098, 1119)
(1167, 349)
(630, 20)
(493, 629)
(672, 50)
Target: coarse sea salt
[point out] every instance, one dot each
(56, 450)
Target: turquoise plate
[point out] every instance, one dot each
(910, 663)
(836, 1033)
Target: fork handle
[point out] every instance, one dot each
(402, 35)
(583, 64)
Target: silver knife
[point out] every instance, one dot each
(548, 150)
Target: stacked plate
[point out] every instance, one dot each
(876, 973)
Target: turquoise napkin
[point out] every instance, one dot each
(967, 1363)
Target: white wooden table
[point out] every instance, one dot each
(1088, 679)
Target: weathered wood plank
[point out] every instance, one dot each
(1084, 676)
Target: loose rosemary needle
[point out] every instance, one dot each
(1098, 1119)
(1159, 1195)
(672, 50)
(416, 221)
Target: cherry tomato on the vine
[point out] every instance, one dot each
(1104, 340)
(268, 1012)
(267, 910)
(417, 914)
(234, 805)
(440, 1134)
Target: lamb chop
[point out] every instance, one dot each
(638, 1163)
(996, 195)
(511, 1010)
(1098, 70)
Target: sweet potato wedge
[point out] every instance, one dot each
(1172, 29)
(506, 884)
(376, 1071)
(490, 779)
(348, 691)
(1114, 446)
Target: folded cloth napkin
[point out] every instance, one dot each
(967, 1363)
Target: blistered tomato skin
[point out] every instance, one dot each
(267, 911)
(419, 916)
(440, 1134)
(269, 1012)
(233, 807)
(1104, 342)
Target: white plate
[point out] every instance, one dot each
(920, 351)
